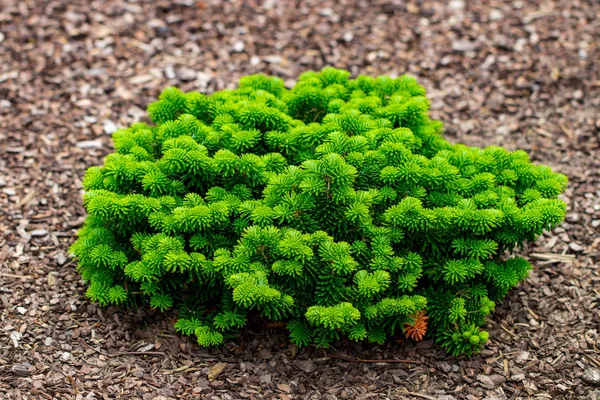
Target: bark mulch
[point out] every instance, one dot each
(521, 74)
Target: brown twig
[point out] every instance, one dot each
(423, 396)
(554, 257)
(356, 359)
(389, 361)
(137, 353)
(16, 276)
(123, 353)
(534, 315)
(507, 331)
(593, 361)
(41, 393)
(177, 370)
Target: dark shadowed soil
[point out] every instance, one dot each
(521, 74)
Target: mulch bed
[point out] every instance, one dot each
(521, 74)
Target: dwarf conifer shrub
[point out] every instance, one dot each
(336, 206)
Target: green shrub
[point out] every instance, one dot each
(336, 206)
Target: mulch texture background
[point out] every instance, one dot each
(521, 74)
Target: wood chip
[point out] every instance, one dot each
(216, 370)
